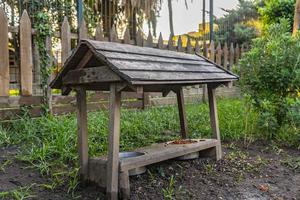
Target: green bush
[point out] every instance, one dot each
(270, 74)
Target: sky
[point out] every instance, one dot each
(187, 20)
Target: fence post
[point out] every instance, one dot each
(4, 55)
(197, 47)
(113, 36)
(65, 40)
(26, 54)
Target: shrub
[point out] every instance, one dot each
(270, 74)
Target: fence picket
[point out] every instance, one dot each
(212, 51)
(231, 58)
(179, 45)
(225, 56)
(219, 54)
(149, 41)
(127, 36)
(197, 47)
(170, 43)
(160, 43)
(99, 32)
(65, 40)
(83, 33)
(189, 48)
(139, 38)
(113, 36)
(26, 55)
(4, 55)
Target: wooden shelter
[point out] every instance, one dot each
(114, 67)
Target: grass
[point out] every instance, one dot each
(49, 143)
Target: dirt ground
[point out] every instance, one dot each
(259, 172)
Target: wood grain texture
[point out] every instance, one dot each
(182, 113)
(4, 55)
(82, 134)
(26, 55)
(214, 119)
(90, 75)
(113, 143)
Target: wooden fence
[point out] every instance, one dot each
(28, 62)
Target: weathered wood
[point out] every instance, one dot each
(164, 65)
(197, 47)
(90, 75)
(82, 134)
(170, 43)
(161, 152)
(179, 44)
(225, 52)
(113, 141)
(219, 55)
(182, 113)
(214, 119)
(189, 48)
(4, 55)
(231, 58)
(149, 42)
(113, 35)
(99, 32)
(139, 38)
(160, 43)
(212, 51)
(127, 36)
(26, 55)
(151, 58)
(83, 32)
(124, 185)
(65, 40)
(86, 58)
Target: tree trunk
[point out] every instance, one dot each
(171, 17)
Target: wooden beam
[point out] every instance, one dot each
(182, 113)
(82, 135)
(86, 58)
(90, 75)
(214, 119)
(113, 143)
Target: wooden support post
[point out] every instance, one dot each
(113, 142)
(82, 135)
(214, 119)
(182, 113)
(124, 185)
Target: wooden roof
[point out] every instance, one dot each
(144, 66)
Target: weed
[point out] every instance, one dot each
(5, 164)
(293, 163)
(20, 193)
(169, 191)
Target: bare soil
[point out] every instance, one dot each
(258, 172)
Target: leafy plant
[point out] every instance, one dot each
(270, 74)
